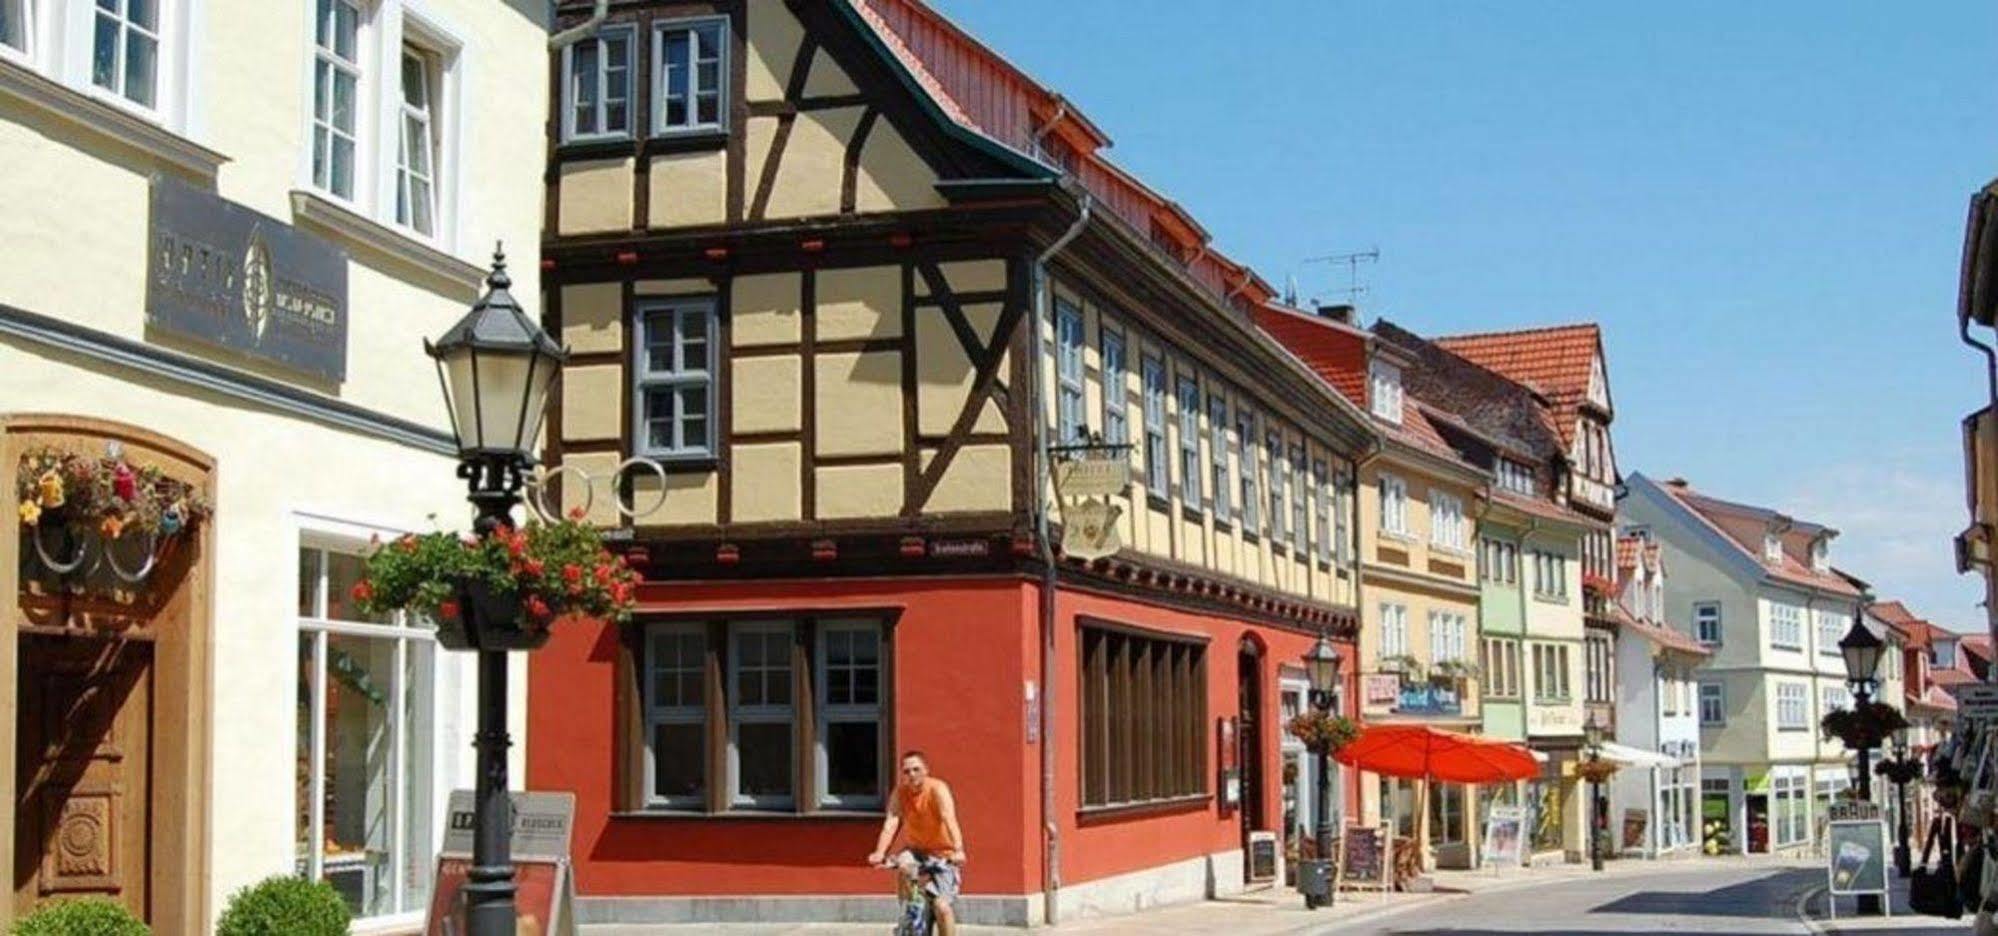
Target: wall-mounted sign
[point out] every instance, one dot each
(1380, 690)
(225, 275)
(1977, 700)
(965, 547)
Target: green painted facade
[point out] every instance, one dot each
(1502, 613)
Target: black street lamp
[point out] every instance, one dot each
(1901, 769)
(496, 367)
(1861, 649)
(1592, 736)
(1321, 666)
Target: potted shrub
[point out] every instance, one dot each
(88, 916)
(503, 590)
(285, 906)
(1408, 666)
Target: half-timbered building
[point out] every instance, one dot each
(844, 291)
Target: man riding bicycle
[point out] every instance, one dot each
(922, 809)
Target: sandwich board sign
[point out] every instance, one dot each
(545, 895)
(1856, 861)
(1505, 836)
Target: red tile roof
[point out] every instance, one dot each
(1935, 698)
(1721, 516)
(1664, 637)
(1554, 360)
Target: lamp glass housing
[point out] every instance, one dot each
(1861, 650)
(1321, 666)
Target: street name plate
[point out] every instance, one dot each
(542, 823)
(1977, 700)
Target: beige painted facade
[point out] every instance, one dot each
(328, 466)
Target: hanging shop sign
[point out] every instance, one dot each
(1087, 478)
(227, 276)
(1977, 700)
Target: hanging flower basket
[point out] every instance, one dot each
(504, 591)
(1866, 726)
(1596, 771)
(1323, 733)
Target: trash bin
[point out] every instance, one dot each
(1314, 881)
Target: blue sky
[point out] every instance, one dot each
(1762, 203)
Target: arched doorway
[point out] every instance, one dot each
(104, 705)
(1248, 736)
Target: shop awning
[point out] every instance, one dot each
(1635, 757)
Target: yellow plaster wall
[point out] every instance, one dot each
(688, 189)
(602, 510)
(859, 404)
(593, 317)
(596, 196)
(768, 394)
(891, 176)
(766, 310)
(827, 79)
(592, 402)
(812, 165)
(944, 374)
(767, 482)
(690, 497)
(964, 276)
(848, 491)
(673, 287)
(979, 478)
(772, 48)
(863, 302)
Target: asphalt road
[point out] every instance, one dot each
(1731, 901)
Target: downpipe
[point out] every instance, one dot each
(1991, 393)
(1043, 301)
(557, 41)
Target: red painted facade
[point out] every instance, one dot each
(962, 651)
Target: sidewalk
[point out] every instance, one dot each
(1269, 911)
(1812, 910)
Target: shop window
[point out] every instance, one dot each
(1446, 813)
(688, 67)
(762, 668)
(673, 378)
(597, 89)
(1144, 717)
(366, 726)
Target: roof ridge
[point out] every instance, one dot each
(1588, 324)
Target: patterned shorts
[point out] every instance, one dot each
(939, 877)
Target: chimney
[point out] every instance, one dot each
(1342, 312)
(1676, 482)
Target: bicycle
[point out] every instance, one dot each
(913, 889)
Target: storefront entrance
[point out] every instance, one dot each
(82, 793)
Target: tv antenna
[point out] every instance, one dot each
(1354, 289)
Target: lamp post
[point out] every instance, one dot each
(496, 367)
(1901, 769)
(1861, 649)
(1592, 736)
(1321, 666)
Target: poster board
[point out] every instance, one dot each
(1363, 859)
(544, 899)
(1635, 822)
(1505, 836)
(1856, 860)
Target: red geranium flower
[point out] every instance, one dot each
(536, 607)
(572, 573)
(447, 609)
(362, 591)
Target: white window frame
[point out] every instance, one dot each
(357, 69)
(1158, 456)
(1300, 512)
(627, 34)
(158, 34)
(1702, 618)
(1321, 504)
(678, 308)
(406, 176)
(1394, 504)
(1249, 511)
(1832, 698)
(693, 126)
(1793, 706)
(1384, 397)
(764, 714)
(1279, 515)
(1821, 556)
(1071, 416)
(1221, 487)
(1786, 626)
(1187, 397)
(31, 40)
(1772, 548)
(1831, 629)
(1446, 521)
(1116, 405)
(830, 714)
(1447, 632)
(658, 714)
(1713, 704)
(1394, 630)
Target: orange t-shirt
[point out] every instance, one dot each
(922, 816)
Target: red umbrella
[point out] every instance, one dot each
(1419, 752)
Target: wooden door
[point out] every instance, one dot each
(84, 773)
(1249, 735)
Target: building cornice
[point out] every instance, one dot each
(77, 109)
(459, 278)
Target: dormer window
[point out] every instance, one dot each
(1385, 395)
(1772, 548)
(1514, 476)
(1598, 387)
(1821, 556)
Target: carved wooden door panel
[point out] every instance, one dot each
(84, 781)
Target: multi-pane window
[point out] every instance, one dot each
(1394, 505)
(1498, 561)
(1821, 556)
(673, 378)
(1446, 520)
(417, 149)
(1300, 522)
(1116, 412)
(1550, 575)
(676, 714)
(1550, 673)
(16, 24)
(366, 727)
(687, 59)
(1772, 548)
(1394, 630)
(1279, 481)
(1384, 381)
(125, 49)
(1515, 476)
(1157, 467)
(1601, 680)
(1831, 627)
(1713, 704)
(1793, 706)
(1707, 622)
(1789, 804)
(1833, 698)
(1448, 631)
(336, 79)
(1144, 717)
(1251, 506)
(747, 677)
(1071, 422)
(1786, 625)
(598, 86)
(1322, 497)
(1217, 454)
(1342, 503)
(1499, 663)
(1189, 443)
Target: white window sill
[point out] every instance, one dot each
(1450, 550)
(314, 209)
(1397, 536)
(88, 112)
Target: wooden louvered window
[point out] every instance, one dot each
(1144, 712)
